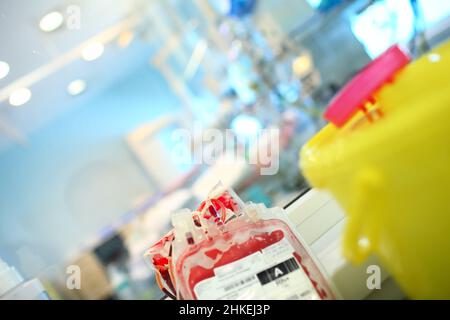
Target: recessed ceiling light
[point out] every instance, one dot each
(4, 69)
(76, 87)
(51, 21)
(125, 39)
(92, 51)
(302, 65)
(20, 97)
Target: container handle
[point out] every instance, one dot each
(361, 234)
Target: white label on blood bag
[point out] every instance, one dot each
(272, 273)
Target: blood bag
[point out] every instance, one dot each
(240, 251)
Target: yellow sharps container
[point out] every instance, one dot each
(385, 156)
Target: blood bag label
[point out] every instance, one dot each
(272, 273)
(277, 271)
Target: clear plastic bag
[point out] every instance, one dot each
(230, 250)
(221, 204)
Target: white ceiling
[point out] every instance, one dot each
(26, 48)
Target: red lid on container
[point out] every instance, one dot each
(364, 84)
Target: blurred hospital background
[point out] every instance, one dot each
(92, 91)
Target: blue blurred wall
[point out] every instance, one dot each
(77, 174)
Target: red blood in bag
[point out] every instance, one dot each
(256, 241)
(235, 252)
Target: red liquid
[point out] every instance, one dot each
(256, 242)
(235, 252)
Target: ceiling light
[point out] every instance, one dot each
(4, 69)
(125, 39)
(76, 87)
(302, 65)
(51, 21)
(92, 51)
(19, 97)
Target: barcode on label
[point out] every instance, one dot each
(239, 283)
(277, 271)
